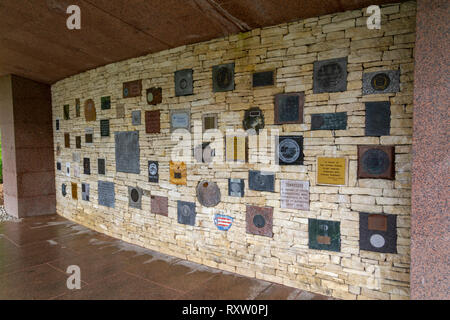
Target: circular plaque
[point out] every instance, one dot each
(125, 92)
(375, 161)
(183, 83)
(224, 77)
(185, 210)
(288, 150)
(134, 194)
(235, 187)
(253, 119)
(329, 75)
(153, 169)
(63, 189)
(377, 240)
(259, 221)
(149, 97)
(380, 82)
(208, 193)
(323, 227)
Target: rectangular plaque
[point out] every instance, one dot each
(378, 232)
(76, 170)
(78, 142)
(132, 88)
(377, 222)
(89, 136)
(66, 112)
(180, 119)
(86, 166)
(74, 191)
(329, 121)
(58, 166)
(76, 157)
(262, 79)
(330, 75)
(153, 171)
(289, 150)
(289, 108)
(259, 220)
(135, 197)
(127, 151)
(324, 235)
(184, 82)
(152, 121)
(104, 128)
(57, 124)
(236, 187)
(106, 194)
(77, 108)
(331, 171)
(209, 121)
(223, 77)
(105, 103)
(236, 148)
(120, 111)
(85, 191)
(381, 82)
(159, 205)
(67, 140)
(261, 181)
(154, 96)
(136, 117)
(378, 118)
(68, 169)
(186, 212)
(101, 166)
(295, 194)
(376, 162)
(177, 172)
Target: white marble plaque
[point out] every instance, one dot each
(295, 194)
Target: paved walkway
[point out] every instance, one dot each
(35, 253)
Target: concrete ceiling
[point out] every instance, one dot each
(35, 42)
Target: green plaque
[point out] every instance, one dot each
(324, 235)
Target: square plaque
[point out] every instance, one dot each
(153, 171)
(66, 112)
(86, 166)
(106, 194)
(378, 232)
(209, 121)
(152, 121)
(159, 205)
(295, 194)
(74, 191)
(331, 171)
(78, 142)
(101, 166)
(378, 118)
(105, 103)
(66, 140)
(259, 220)
(261, 181)
(236, 148)
(330, 75)
(135, 197)
(329, 121)
(136, 117)
(186, 212)
(180, 119)
(85, 191)
(289, 108)
(381, 82)
(154, 96)
(223, 77)
(236, 187)
(184, 82)
(104, 128)
(324, 235)
(263, 79)
(127, 151)
(289, 150)
(132, 88)
(77, 108)
(177, 172)
(376, 162)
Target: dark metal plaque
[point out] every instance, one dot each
(324, 235)
(127, 151)
(259, 221)
(159, 205)
(264, 78)
(378, 232)
(132, 88)
(330, 75)
(180, 119)
(85, 191)
(74, 191)
(106, 194)
(261, 181)
(105, 103)
(153, 171)
(135, 197)
(223, 77)
(208, 193)
(136, 117)
(152, 121)
(378, 118)
(236, 187)
(329, 121)
(186, 212)
(184, 82)
(289, 150)
(77, 108)
(101, 166)
(66, 112)
(64, 189)
(57, 125)
(154, 96)
(381, 82)
(209, 121)
(58, 166)
(89, 135)
(253, 119)
(78, 142)
(90, 114)
(376, 162)
(66, 140)
(120, 111)
(289, 108)
(104, 128)
(86, 166)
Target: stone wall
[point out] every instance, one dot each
(291, 49)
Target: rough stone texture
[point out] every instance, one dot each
(285, 258)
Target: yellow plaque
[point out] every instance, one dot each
(177, 172)
(331, 171)
(235, 148)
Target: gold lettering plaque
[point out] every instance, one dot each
(331, 171)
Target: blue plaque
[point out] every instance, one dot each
(106, 194)
(223, 222)
(127, 151)
(153, 171)
(136, 117)
(329, 121)
(186, 212)
(261, 181)
(180, 119)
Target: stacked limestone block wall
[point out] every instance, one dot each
(290, 49)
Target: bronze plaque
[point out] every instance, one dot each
(331, 171)
(120, 111)
(208, 193)
(154, 96)
(159, 205)
(376, 161)
(132, 88)
(78, 142)
(67, 140)
(90, 114)
(177, 172)
(289, 108)
(223, 77)
(377, 222)
(152, 121)
(74, 191)
(259, 220)
(323, 240)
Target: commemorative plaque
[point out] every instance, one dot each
(261, 181)
(106, 194)
(76, 170)
(209, 121)
(263, 79)
(77, 108)
(90, 114)
(105, 103)
(58, 166)
(208, 193)
(236, 148)
(324, 235)
(378, 232)
(136, 117)
(78, 142)
(223, 222)
(184, 82)
(89, 136)
(180, 119)
(74, 191)
(66, 140)
(331, 171)
(127, 151)
(86, 166)
(64, 189)
(186, 212)
(135, 197)
(289, 150)
(378, 118)
(58, 149)
(101, 163)
(120, 111)
(295, 194)
(236, 187)
(329, 121)
(177, 172)
(381, 82)
(76, 157)
(66, 112)
(153, 171)
(259, 220)
(376, 162)
(253, 119)
(132, 89)
(159, 205)
(85, 191)
(223, 77)
(104, 128)
(204, 153)
(152, 121)
(57, 125)
(289, 108)
(154, 96)
(68, 169)
(330, 75)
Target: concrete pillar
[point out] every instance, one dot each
(430, 241)
(27, 147)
